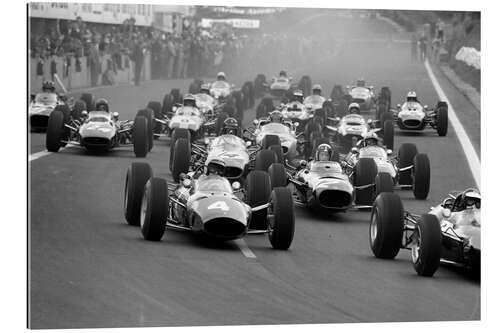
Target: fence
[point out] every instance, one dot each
(75, 73)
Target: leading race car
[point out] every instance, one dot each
(414, 116)
(281, 86)
(367, 99)
(409, 169)
(322, 184)
(208, 204)
(449, 232)
(99, 131)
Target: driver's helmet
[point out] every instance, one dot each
(360, 83)
(298, 96)
(282, 74)
(316, 89)
(102, 105)
(370, 139)
(230, 127)
(205, 89)
(216, 167)
(276, 116)
(324, 152)
(221, 76)
(354, 108)
(471, 198)
(189, 100)
(411, 97)
(48, 86)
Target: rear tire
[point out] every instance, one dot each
(364, 174)
(406, 154)
(279, 153)
(149, 115)
(155, 209)
(258, 193)
(283, 222)
(264, 159)
(55, 131)
(389, 134)
(421, 176)
(426, 254)
(277, 174)
(181, 158)
(176, 135)
(140, 136)
(442, 118)
(386, 225)
(270, 140)
(383, 183)
(138, 174)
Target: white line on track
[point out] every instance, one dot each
(39, 154)
(245, 249)
(470, 153)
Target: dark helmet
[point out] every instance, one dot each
(48, 86)
(316, 89)
(230, 127)
(354, 108)
(324, 152)
(282, 73)
(276, 116)
(411, 97)
(189, 100)
(102, 105)
(216, 167)
(205, 89)
(298, 96)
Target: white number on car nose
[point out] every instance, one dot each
(222, 205)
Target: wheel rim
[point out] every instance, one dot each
(373, 227)
(415, 246)
(144, 203)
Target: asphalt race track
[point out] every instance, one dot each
(88, 268)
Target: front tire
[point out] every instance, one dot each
(55, 131)
(258, 193)
(421, 176)
(406, 154)
(426, 249)
(140, 136)
(154, 209)
(181, 158)
(282, 224)
(442, 118)
(138, 174)
(365, 173)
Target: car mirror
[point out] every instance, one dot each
(354, 150)
(248, 143)
(303, 163)
(446, 213)
(426, 106)
(398, 106)
(116, 115)
(186, 182)
(236, 185)
(369, 121)
(255, 122)
(389, 152)
(174, 108)
(85, 113)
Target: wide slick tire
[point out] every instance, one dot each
(140, 136)
(282, 223)
(277, 174)
(264, 159)
(365, 174)
(138, 173)
(150, 117)
(270, 140)
(389, 134)
(279, 153)
(421, 176)
(154, 209)
(258, 191)
(181, 158)
(406, 154)
(177, 134)
(55, 131)
(426, 249)
(386, 225)
(442, 118)
(383, 183)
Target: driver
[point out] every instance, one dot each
(282, 74)
(189, 100)
(102, 105)
(370, 139)
(276, 117)
(205, 89)
(298, 96)
(360, 82)
(221, 76)
(48, 86)
(324, 152)
(411, 97)
(230, 127)
(467, 200)
(354, 108)
(216, 167)
(316, 90)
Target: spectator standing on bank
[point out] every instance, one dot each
(423, 48)
(171, 53)
(138, 59)
(436, 49)
(186, 46)
(94, 63)
(179, 63)
(440, 30)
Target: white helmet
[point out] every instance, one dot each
(354, 106)
(411, 97)
(370, 139)
(472, 198)
(316, 87)
(221, 76)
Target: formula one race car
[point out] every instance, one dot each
(238, 156)
(450, 232)
(414, 116)
(43, 103)
(348, 130)
(282, 86)
(208, 204)
(410, 169)
(323, 185)
(367, 99)
(99, 131)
